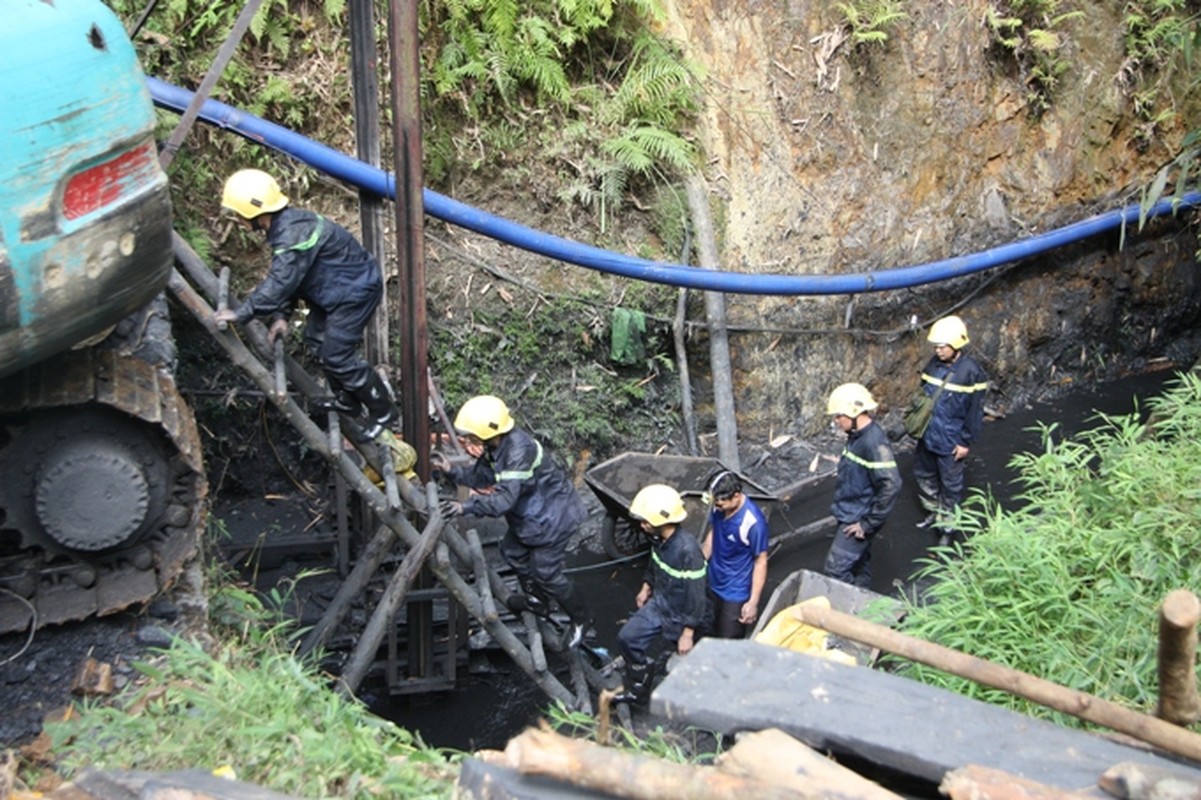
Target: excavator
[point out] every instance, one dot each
(102, 484)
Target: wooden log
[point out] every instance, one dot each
(1130, 781)
(368, 644)
(774, 757)
(1079, 704)
(364, 570)
(975, 782)
(187, 258)
(480, 567)
(281, 378)
(1178, 618)
(534, 634)
(686, 409)
(579, 681)
(341, 515)
(623, 774)
(715, 317)
(223, 295)
(391, 486)
(443, 417)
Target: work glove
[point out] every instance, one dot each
(439, 465)
(450, 508)
(279, 327)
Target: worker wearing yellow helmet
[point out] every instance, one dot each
(513, 476)
(957, 385)
(314, 260)
(673, 603)
(867, 486)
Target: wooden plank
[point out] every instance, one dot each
(888, 720)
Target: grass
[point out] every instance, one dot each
(252, 708)
(1068, 586)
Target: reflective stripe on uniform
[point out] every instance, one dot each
(947, 386)
(309, 243)
(683, 574)
(524, 474)
(863, 462)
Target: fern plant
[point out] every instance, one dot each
(868, 21)
(1033, 33)
(1161, 39)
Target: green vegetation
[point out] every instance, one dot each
(251, 707)
(583, 85)
(1161, 38)
(1068, 587)
(1032, 32)
(554, 358)
(869, 21)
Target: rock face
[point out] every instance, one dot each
(829, 158)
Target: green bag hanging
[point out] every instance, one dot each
(626, 328)
(921, 409)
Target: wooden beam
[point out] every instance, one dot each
(1178, 618)
(1079, 704)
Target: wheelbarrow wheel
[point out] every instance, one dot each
(622, 538)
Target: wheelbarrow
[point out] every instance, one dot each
(616, 481)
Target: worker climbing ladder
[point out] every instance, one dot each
(449, 554)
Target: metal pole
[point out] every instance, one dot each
(410, 231)
(241, 25)
(364, 81)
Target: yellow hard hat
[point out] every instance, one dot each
(658, 504)
(484, 417)
(251, 192)
(949, 330)
(850, 400)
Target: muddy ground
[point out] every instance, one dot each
(36, 673)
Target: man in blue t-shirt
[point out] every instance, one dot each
(736, 545)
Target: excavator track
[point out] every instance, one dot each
(102, 487)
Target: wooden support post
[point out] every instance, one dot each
(440, 408)
(1079, 704)
(342, 557)
(315, 437)
(534, 634)
(719, 343)
(579, 681)
(391, 486)
(281, 379)
(385, 613)
(1178, 618)
(479, 566)
(686, 409)
(364, 569)
(223, 295)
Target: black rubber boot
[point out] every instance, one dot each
(381, 411)
(532, 600)
(581, 618)
(637, 686)
(341, 401)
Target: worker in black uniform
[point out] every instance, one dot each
(318, 261)
(514, 477)
(673, 602)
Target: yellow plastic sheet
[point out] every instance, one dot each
(786, 630)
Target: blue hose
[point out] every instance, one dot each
(378, 181)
